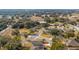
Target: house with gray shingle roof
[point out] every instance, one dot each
(73, 45)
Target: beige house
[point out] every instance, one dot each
(37, 18)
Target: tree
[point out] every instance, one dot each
(31, 24)
(3, 41)
(57, 44)
(18, 25)
(47, 19)
(68, 34)
(45, 25)
(77, 37)
(73, 22)
(55, 19)
(10, 44)
(16, 32)
(14, 44)
(2, 26)
(55, 32)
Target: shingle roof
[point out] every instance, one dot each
(73, 43)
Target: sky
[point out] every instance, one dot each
(39, 4)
